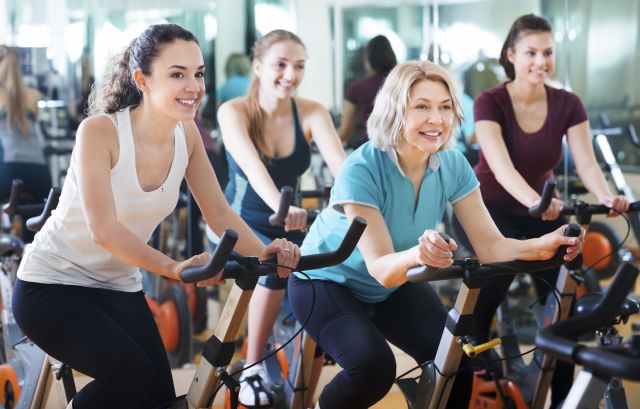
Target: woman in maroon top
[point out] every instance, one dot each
(519, 125)
(358, 101)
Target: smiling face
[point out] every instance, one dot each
(533, 56)
(429, 117)
(175, 85)
(281, 69)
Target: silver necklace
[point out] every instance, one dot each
(144, 154)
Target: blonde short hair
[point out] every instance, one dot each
(385, 124)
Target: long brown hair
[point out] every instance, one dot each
(255, 111)
(15, 90)
(523, 24)
(118, 89)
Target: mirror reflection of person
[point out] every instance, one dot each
(21, 151)
(236, 70)
(379, 59)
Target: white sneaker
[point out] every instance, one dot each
(255, 388)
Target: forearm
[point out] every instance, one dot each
(391, 270)
(513, 182)
(123, 244)
(248, 243)
(594, 181)
(334, 162)
(264, 186)
(506, 249)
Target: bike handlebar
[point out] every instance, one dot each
(34, 224)
(545, 199)
(579, 208)
(13, 206)
(559, 339)
(14, 197)
(246, 266)
(473, 268)
(286, 195)
(322, 193)
(217, 261)
(425, 273)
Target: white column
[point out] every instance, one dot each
(231, 16)
(314, 30)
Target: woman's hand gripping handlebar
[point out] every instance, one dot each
(472, 268)
(252, 266)
(293, 218)
(583, 211)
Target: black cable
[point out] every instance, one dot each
(399, 377)
(294, 336)
(617, 249)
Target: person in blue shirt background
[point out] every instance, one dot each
(399, 182)
(237, 71)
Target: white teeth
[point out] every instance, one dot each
(187, 101)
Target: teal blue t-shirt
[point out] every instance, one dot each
(372, 177)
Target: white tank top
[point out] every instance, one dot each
(63, 252)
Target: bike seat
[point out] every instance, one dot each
(588, 302)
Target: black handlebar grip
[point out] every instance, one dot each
(424, 273)
(349, 242)
(286, 194)
(634, 207)
(34, 224)
(559, 339)
(217, 262)
(545, 199)
(14, 197)
(572, 230)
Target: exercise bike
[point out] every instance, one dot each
(533, 380)
(27, 374)
(289, 369)
(212, 372)
(432, 388)
(602, 365)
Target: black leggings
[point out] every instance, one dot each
(355, 334)
(495, 289)
(108, 335)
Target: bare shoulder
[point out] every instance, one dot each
(237, 107)
(98, 130)
(309, 108)
(191, 135)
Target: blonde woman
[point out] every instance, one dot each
(399, 182)
(266, 135)
(21, 154)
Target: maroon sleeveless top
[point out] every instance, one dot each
(534, 155)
